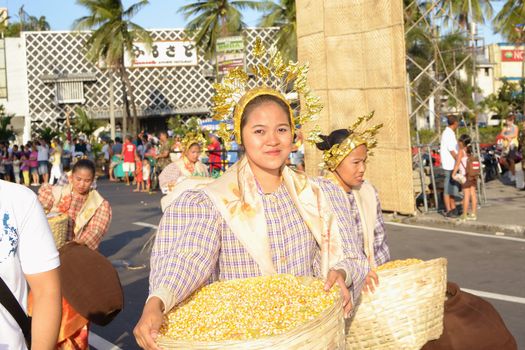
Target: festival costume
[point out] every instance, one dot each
(89, 219)
(364, 200)
(231, 229)
(200, 240)
(182, 167)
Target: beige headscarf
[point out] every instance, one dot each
(236, 196)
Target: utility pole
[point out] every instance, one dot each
(481, 184)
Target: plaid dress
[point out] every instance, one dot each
(194, 246)
(381, 251)
(96, 228)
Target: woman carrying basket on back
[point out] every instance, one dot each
(89, 218)
(345, 152)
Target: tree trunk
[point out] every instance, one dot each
(125, 117)
(129, 88)
(112, 104)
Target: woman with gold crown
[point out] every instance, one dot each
(260, 217)
(187, 165)
(345, 152)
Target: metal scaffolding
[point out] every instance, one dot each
(428, 19)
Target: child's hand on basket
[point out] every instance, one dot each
(339, 276)
(371, 282)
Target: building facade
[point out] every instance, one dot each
(49, 75)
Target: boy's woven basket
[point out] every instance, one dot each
(404, 312)
(58, 225)
(324, 332)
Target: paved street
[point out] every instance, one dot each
(480, 263)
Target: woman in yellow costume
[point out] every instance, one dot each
(89, 218)
(260, 217)
(187, 165)
(345, 152)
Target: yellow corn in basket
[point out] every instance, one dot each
(272, 312)
(58, 225)
(404, 312)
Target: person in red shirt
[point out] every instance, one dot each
(139, 179)
(129, 151)
(214, 158)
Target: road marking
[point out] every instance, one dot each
(466, 233)
(495, 296)
(145, 224)
(100, 343)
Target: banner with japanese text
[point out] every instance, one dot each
(163, 54)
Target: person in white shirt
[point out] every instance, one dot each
(43, 158)
(448, 152)
(28, 256)
(56, 162)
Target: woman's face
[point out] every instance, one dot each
(193, 153)
(81, 180)
(267, 137)
(352, 169)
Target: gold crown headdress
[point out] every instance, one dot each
(192, 138)
(287, 81)
(335, 155)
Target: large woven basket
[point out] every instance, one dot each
(324, 332)
(58, 225)
(404, 312)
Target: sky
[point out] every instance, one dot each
(158, 14)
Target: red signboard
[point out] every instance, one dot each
(512, 55)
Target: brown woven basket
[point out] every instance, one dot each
(58, 225)
(324, 332)
(404, 312)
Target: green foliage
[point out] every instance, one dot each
(6, 129)
(508, 99)
(113, 31)
(283, 15)
(26, 22)
(509, 19)
(181, 127)
(84, 124)
(47, 133)
(213, 18)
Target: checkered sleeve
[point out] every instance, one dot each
(355, 263)
(381, 250)
(45, 197)
(97, 227)
(186, 248)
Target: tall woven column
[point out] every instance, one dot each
(356, 51)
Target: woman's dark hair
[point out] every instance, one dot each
(335, 138)
(466, 140)
(259, 100)
(84, 164)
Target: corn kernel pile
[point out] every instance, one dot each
(248, 308)
(398, 263)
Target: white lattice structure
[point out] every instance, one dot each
(58, 56)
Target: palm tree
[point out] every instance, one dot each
(459, 11)
(84, 123)
(214, 18)
(111, 39)
(510, 23)
(282, 15)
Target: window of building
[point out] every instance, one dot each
(69, 92)
(487, 72)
